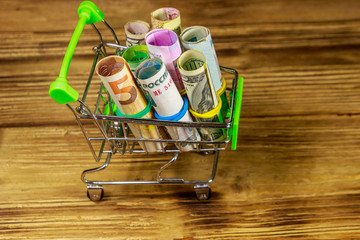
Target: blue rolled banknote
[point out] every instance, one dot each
(199, 38)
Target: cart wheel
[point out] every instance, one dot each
(203, 192)
(95, 193)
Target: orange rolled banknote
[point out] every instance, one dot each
(119, 81)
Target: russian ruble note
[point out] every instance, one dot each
(164, 44)
(157, 84)
(135, 32)
(168, 18)
(135, 55)
(184, 133)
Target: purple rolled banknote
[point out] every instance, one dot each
(164, 44)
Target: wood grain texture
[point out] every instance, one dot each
(295, 173)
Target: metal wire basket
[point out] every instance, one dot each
(108, 134)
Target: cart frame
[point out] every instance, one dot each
(114, 135)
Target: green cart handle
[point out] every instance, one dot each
(60, 90)
(236, 117)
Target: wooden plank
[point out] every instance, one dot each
(288, 178)
(18, 13)
(270, 92)
(228, 40)
(295, 173)
(283, 60)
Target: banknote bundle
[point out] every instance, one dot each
(204, 102)
(168, 18)
(164, 44)
(156, 83)
(199, 38)
(135, 55)
(197, 81)
(118, 80)
(182, 133)
(135, 32)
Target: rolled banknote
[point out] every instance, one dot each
(199, 38)
(135, 32)
(197, 81)
(200, 90)
(168, 18)
(118, 80)
(135, 55)
(210, 134)
(182, 133)
(156, 83)
(164, 44)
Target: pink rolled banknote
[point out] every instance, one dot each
(164, 44)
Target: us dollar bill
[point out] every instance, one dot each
(200, 90)
(211, 134)
(197, 81)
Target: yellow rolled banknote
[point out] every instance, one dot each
(168, 18)
(118, 80)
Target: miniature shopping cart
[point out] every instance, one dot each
(108, 135)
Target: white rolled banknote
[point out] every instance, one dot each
(200, 90)
(156, 83)
(168, 18)
(135, 32)
(182, 133)
(164, 44)
(118, 80)
(199, 38)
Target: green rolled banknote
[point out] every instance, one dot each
(135, 55)
(157, 84)
(199, 38)
(200, 91)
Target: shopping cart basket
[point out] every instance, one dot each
(109, 134)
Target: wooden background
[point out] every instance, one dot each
(296, 170)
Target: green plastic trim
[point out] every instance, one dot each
(60, 90)
(92, 12)
(225, 105)
(236, 116)
(107, 108)
(137, 115)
